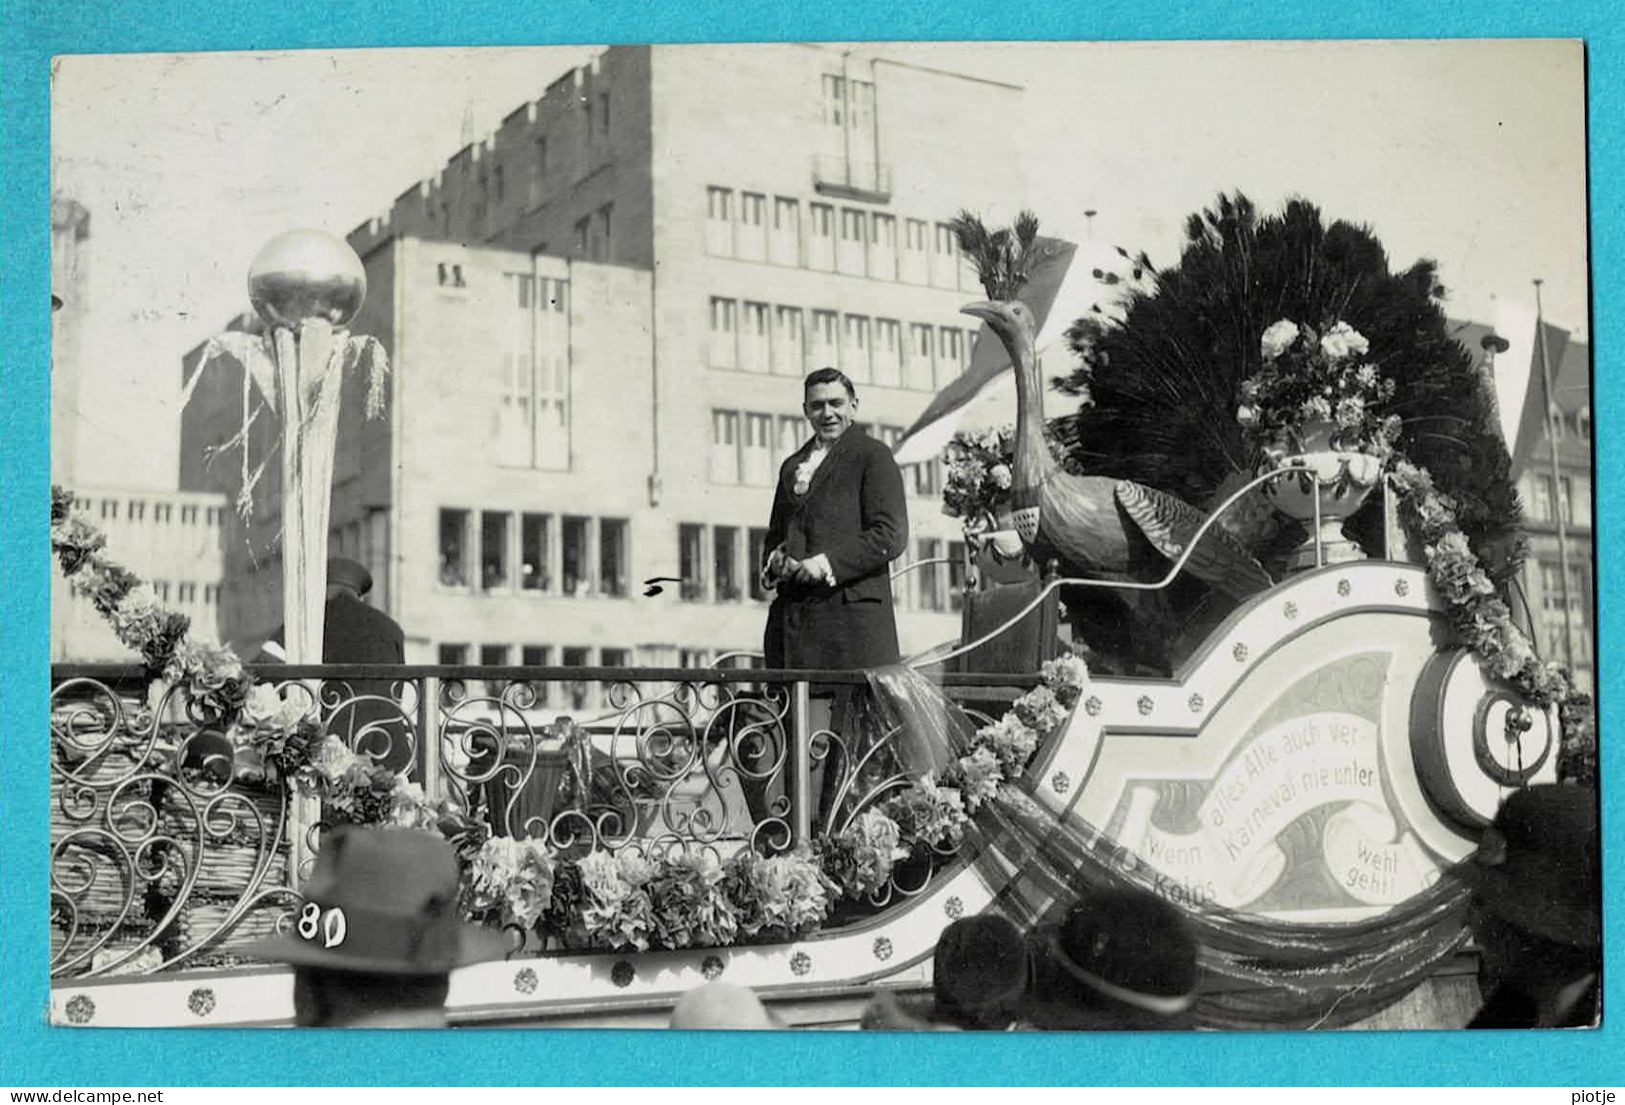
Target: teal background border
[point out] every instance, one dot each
(33, 1054)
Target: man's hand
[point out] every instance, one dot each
(816, 569)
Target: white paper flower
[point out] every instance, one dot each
(1278, 339)
(1001, 476)
(1342, 341)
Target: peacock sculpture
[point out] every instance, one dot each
(1094, 526)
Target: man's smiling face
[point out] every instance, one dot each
(830, 409)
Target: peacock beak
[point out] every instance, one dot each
(987, 310)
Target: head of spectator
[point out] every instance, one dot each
(1535, 909)
(1118, 960)
(980, 974)
(378, 936)
(345, 576)
(722, 1005)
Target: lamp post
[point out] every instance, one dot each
(306, 285)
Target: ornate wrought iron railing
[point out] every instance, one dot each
(171, 847)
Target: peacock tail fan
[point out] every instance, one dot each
(1160, 385)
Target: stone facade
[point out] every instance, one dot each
(598, 319)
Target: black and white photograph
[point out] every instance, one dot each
(892, 537)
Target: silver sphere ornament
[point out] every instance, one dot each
(306, 274)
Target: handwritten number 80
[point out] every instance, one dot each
(330, 925)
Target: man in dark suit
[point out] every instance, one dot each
(839, 519)
(356, 633)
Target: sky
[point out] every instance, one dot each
(1470, 153)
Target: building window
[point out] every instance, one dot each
(719, 222)
(789, 348)
(603, 116)
(454, 548)
(186, 592)
(855, 348)
(753, 338)
(613, 561)
(791, 428)
(914, 266)
(888, 355)
(138, 510)
(824, 353)
(535, 547)
(692, 657)
(583, 230)
(160, 513)
(753, 566)
(931, 575)
(752, 241)
(926, 478)
(834, 101)
(821, 240)
(599, 245)
(575, 556)
(578, 691)
(536, 656)
(852, 252)
(499, 183)
(956, 575)
(757, 470)
(550, 378)
(691, 561)
(950, 354)
(883, 247)
(494, 656)
(725, 561)
(616, 658)
(784, 247)
(493, 550)
(724, 447)
(921, 366)
(945, 258)
(454, 655)
(724, 333)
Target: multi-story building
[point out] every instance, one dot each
(1559, 569)
(170, 539)
(598, 320)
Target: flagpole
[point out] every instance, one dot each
(1557, 482)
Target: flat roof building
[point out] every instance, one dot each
(598, 319)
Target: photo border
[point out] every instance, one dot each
(35, 1054)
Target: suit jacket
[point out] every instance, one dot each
(355, 633)
(854, 513)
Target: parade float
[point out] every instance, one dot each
(1278, 534)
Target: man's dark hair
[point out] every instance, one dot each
(829, 376)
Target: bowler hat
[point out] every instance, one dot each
(347, 573)
(980, 972)
(382, 901)
(1129, 947)
(1537, 864)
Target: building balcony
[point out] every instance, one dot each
(867, 181)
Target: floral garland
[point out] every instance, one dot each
(627, 900)
(621, 900)
(1484, 622)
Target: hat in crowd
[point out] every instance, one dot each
(382, 901)
(722, 1005)
(1537, 864)
(1128, 947)
(981, 969)
(347, 573)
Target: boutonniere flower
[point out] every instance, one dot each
(805, 470)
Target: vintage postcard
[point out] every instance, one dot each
(900, 536)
